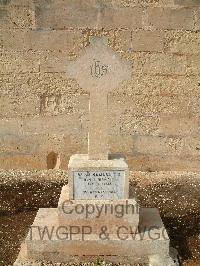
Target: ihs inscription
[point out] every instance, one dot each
(98, 70)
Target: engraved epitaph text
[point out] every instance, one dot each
(98, 184)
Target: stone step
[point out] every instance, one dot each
(47, 240)
(97, 213)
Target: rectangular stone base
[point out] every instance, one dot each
(95, 214)
(65, 245)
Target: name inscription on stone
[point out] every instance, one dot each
(99, 184)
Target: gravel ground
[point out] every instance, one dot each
(176, 194)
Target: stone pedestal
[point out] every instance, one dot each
(63, 245)
(95, 219)
(95, 214)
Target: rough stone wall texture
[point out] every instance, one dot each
(154, 118)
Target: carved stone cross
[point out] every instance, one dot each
(99, 70)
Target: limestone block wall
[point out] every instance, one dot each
(154, 118)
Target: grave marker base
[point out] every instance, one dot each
(66, 234)
(132, 250)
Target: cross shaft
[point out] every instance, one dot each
(98, 126)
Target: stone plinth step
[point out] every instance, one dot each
(97, 213)
(47, 240)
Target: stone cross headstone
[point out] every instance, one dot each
(99, 186)
(99, 70)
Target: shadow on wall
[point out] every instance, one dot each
(53, 160)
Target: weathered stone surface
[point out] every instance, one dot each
(193, 62)
(166, 94)
(17, 16)
(55, 40)
(144, 41)
(125, 141)
(136, 162)
(76, 14)
(130, 124)
(13, 3)
(197, 19)
(19, 62)
(183, 42)
(17, 160)
(187, 2)
(27, 151)
(14, 106)
(152, 163)
(87, 14)
(177, 125)
(163, 64)
(14, 39)
(3, 14)
(120, 18)
(156, 85)
(155, 104)
(125, 3)
(167, 18)
(147, 41)
(54, 61)
(39, 40)
(167, 146)
(30, 144)
(53, 125)
(45, 94)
